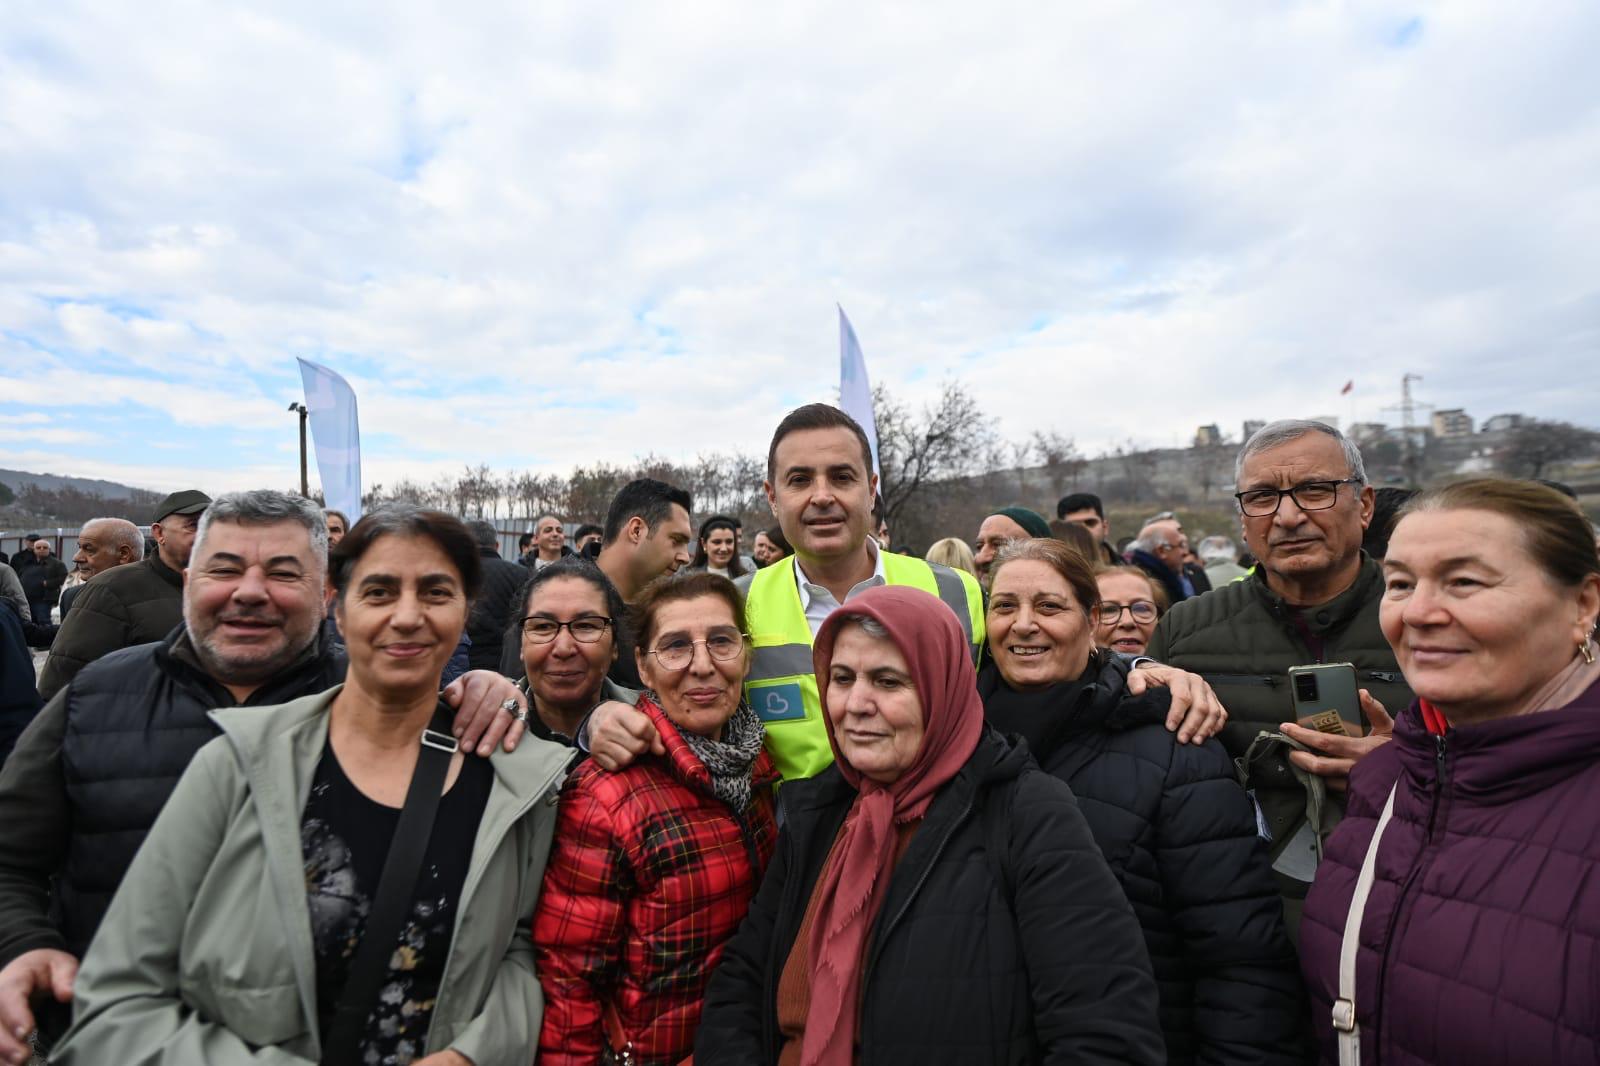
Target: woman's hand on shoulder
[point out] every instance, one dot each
(1340, 754)
(482, 720)
(619, 734)
(1196, 714)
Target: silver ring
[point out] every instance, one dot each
(511, 706)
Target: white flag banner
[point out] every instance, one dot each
(335, 432)
(855, 391)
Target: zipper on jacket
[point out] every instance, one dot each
(1441, 751)
(1387, 677)
(470, 886)
(882, 937)
(916, 889)
(1268, 680)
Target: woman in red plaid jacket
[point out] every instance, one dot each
(653, 866)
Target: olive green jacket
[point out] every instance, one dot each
(205, 955)
(1242, 639)
(139, 603)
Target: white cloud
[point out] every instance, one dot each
(1118, 221)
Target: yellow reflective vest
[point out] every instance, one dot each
(781, 685)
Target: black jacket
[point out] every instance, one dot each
(960, 968)
(90, 774)
(1180, 836)
(1161, 572)
(19, 700)
(491, 612)
(42, 581)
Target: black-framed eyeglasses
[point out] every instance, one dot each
(678, 653)
(1109, 612)
(1308, 496)
(586, 629)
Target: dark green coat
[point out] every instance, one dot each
(139, 603)
(1242, 638)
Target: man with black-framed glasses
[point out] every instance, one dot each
(1304, 503)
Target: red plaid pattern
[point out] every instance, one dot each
(649, 876)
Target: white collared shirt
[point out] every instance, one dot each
(818, 603)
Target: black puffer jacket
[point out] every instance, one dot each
(1180, 835)
(491, 611)
(87, 779)
(960, 968)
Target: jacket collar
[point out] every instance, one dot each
(1097, 700)
(1327, 617)
(317, 666)
(686, 766)
(163, 571)
(1505, 758)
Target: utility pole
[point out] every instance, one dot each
(305, 485)
(1407, 413)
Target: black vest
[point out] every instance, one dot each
(134, 719)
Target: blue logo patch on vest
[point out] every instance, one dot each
(778, 703)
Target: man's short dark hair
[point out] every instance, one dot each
(586, 529)
(485, 534)
(1079, 501)
(817, 416)
(523, 541)
(644, 498)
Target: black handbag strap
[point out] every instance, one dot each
(396, 887)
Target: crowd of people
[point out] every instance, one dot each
(293, 789)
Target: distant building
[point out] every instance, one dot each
(1207, 436)
(1502, 423)
(1452, 422)
(1363, 432)
(1250, 427)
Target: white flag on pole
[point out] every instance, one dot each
(335, 432)
(855, 391)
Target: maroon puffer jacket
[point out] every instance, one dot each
(1480, 943)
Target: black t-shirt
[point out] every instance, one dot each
(344, 837)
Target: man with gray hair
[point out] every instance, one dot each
(130, 605)
(92, 771)
(103, 544)
(1304, 502)
(1160, 550)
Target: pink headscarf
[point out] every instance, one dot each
(854, 883)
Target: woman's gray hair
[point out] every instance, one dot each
(1287, 429)
(259, 507)
(866, 623)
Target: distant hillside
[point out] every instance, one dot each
(111, 490)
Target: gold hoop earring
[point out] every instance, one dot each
(1588, 656)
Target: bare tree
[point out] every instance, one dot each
(1062, 462)
(1535, 448)
(951, 438)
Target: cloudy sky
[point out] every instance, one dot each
(535, 235)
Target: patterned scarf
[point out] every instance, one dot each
(730, 760)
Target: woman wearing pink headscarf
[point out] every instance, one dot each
(935, 898)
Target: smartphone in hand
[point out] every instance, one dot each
(1326, 699)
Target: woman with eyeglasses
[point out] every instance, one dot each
(569, 626)
(1131, 602)
(654, 865)
(1172, 822)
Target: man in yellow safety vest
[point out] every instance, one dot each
(821, 487)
